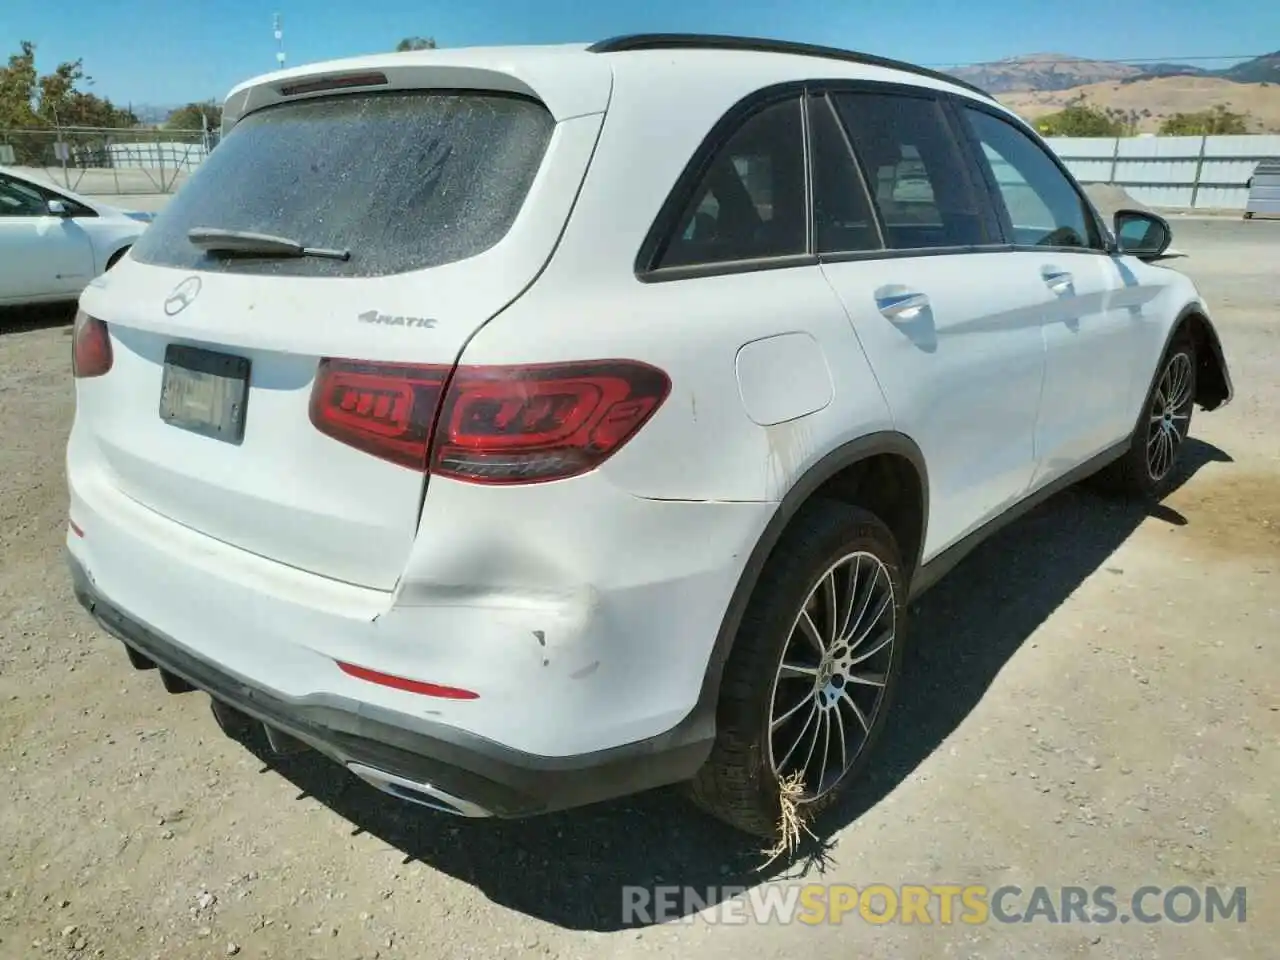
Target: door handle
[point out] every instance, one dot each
(900, 304)
(1059, 281)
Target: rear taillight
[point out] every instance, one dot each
(383, 409)
(90, 347)
(498, 425)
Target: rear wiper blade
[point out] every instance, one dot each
(243, 243)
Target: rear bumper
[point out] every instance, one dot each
(486, 777)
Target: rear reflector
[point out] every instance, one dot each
(494, 425)
(90, 347)
(402, 683)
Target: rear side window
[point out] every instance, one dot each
(842, 217)
(750, 204)
(404, 181)
(916, 170)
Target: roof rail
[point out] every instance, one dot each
(706, 41)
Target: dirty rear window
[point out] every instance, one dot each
(404, 181)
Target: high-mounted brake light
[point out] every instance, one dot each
(494, 425)
(341, 81)
(90, 347)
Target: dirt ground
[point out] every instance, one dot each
(1092, 698)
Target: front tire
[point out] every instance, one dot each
(1149, 466)
(807, 689)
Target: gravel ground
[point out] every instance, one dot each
(1091, 699)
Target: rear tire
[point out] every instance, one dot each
(1148, 468)
(780, 698)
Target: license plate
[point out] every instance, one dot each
(205, 392)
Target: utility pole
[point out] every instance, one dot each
(279, 32)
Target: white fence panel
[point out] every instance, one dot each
(1192, 173)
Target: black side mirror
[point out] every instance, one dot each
(1141, 234)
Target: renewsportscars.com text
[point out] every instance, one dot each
(940, 904)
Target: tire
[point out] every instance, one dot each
(1248, 214)
(740, 783)
(1140, 476)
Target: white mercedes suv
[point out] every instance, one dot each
(525, 427)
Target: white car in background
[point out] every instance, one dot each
(53, 242)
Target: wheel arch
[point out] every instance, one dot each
(840, 474)
(1213, 379)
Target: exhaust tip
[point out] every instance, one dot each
(423, 794)
(174, 683)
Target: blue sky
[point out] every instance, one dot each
(172, 51)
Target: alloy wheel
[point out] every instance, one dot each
(1169, 416)
(832, 677)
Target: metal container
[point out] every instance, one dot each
(1264, 190)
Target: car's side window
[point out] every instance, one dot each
(1044, 209)
(842, 215)
(750, 203)
(915, 168)
(19, 200)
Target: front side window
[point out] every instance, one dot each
(750, 203)
(18, 199)
(916, 170)
(1044, 209)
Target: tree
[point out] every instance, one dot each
(1079, 119)
(18, 88)
(416, 43)
(28, 99)
(1205, 123)
(206, 116)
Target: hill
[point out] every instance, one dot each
(1149, 101)
(1042, 72)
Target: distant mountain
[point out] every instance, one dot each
(1046, 72)
(1264, 69)
(152, 114)
(1042, 72)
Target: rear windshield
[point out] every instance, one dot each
(404, 181)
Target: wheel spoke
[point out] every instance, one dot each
(868, 679)
(797, 671)
(844, 747)
(825, 724)
(813, 712)
(807, 698)
(853, 596)
(806, 626)
(875, 648)
(832, 619)
(821, 716)
(857, 711)
(871, 625)
(866, 602)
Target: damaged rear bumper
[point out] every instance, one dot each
(412, 757)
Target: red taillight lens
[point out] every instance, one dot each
(516, 424)
(90, 347)
(527, 424)
(384, 409)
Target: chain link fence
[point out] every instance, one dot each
(122, 162)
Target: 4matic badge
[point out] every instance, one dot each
(373, 316)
